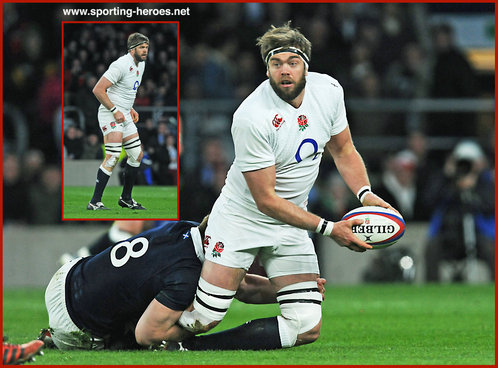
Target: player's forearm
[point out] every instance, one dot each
(353, 170)
(285, 211)
(262, 186)
(103, 98)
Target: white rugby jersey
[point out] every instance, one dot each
(268, 131)
(125, 77)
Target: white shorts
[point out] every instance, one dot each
(107, 123)
(233, 240)
(65, 334)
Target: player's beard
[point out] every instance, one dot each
(287, 94)
(138, 58)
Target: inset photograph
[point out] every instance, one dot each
(120, 120)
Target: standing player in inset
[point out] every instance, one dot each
(280, 133)
(116, 91)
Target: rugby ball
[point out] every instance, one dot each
(381, 227)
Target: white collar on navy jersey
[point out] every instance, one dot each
(197, 240)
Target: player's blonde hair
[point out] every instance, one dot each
(136, 39)
(284, 36)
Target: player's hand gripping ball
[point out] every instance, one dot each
(381, 227)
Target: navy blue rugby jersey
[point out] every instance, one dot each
(109, 292)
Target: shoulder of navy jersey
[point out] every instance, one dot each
(169, 229)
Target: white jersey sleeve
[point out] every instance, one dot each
(252, 147)
(114, 74)
(340, 121)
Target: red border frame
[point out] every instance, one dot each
(214, 1)
(177, 119)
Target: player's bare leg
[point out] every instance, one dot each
(113, 143)
(298, 324)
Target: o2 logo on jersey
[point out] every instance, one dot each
(307, 141)
(130, 252)
(135, 86)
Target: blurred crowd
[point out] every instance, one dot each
(375, 50)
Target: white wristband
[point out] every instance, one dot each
(325, 227)
(363, 192)
(113, 109)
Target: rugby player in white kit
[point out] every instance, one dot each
(280, 133)
(116, 91)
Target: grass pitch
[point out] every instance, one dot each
(161, 202)
(361, 325)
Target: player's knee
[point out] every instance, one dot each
(300, 321)
(309, 336)
(112, 153)
(196, 322)
(142, 337)
(133, 149)
(110, 162)
(210, 306)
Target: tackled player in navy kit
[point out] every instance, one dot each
(132, 294)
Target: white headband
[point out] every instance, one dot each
(137, 44)
(295, 50)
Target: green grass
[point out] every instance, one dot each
(362, 325)
(160, 201)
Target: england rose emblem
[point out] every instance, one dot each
(302, 121)
(218, 248)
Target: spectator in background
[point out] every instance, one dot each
(214, 161)
(213, 74)
(245, 82)
(369, 87)
(334, 199)
(452, 77)
(319, 31)
(205, 182)
(408, 77)
(462, 224)
(173, 165)
(48, 100)
(147, 131)
(87, 103)
(143, 98)
(426, 167)
(344, 28)
(45, 198)
(15, 206)
(33, 163)
(159, 153)
(360, 66)
(74, 142)
(398, 185)
(93, 149)
(396, 31)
